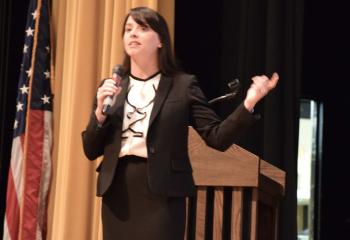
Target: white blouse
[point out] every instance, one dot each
(137, 111)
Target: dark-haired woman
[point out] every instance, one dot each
(145, 174)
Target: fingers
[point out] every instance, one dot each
(273, 81)
(260, 89)
(264, 84)
(107, 89)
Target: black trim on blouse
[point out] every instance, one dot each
(146, 79)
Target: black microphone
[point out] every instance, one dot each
(117, 73)
(234, 86)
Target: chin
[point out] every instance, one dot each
(133, 52)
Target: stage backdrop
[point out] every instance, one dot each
(87, 44)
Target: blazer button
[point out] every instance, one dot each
(152, 150)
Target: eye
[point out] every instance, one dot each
(127, 29)
(144, 28)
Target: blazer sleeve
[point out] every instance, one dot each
(94, 136)
(217, 133)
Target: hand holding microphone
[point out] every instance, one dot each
(116, 78)
(107, 93)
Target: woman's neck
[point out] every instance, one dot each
(143, 69)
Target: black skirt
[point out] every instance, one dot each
(131, 211)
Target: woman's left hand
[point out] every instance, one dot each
(260, 87)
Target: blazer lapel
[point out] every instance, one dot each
(162, 91)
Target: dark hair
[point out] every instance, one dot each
(149, 18)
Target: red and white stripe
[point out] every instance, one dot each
(29, 180)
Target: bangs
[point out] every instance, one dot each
(140, 20)
(145, 18)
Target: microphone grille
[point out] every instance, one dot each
(118, 69)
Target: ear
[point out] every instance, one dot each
(160, 45)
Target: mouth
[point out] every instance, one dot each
(134, 43)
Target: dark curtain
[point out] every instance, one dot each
(325, 79)
(239, 39)
(12, 24)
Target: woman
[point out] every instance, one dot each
(146, 174)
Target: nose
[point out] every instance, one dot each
(133, 33)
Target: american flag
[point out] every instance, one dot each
(30, 167)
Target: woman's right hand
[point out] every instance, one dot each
(108, 88)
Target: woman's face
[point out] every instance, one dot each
(140, 41)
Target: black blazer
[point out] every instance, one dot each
(179, 103)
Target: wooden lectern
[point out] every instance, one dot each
(237, 196)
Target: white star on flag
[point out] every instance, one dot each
(35, 14)
(29, 72)
(19, 106)
(24, 89)
(45, 99)
(48, 49)
(15, 125)
(25, 48)
(47, 74)
(30, 32)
